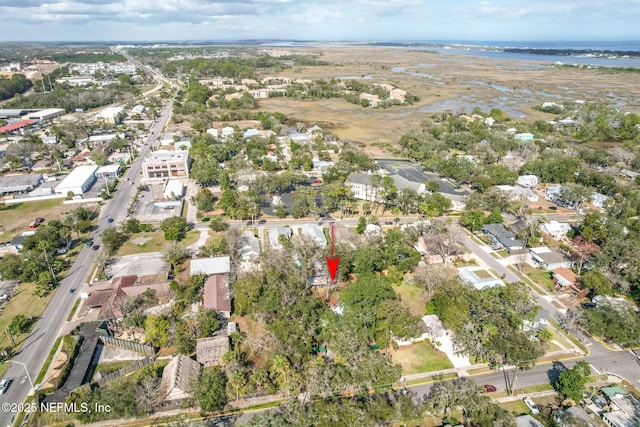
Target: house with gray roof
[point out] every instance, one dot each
(314, 232)
(503, 238)
(549, 259)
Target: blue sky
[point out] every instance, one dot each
(368, 20)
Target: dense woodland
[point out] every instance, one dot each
(10, 86)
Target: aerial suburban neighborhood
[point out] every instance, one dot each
(170, 216)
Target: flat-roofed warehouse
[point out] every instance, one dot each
(16, 184)
(79, 181)
(11, 113)
(48, 114)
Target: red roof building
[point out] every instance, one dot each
(216, 294)
(15, 126)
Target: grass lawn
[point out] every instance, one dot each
(23, 302)
(16, 218)
(153, 241)
(420, 357)
(412, 296)
(541, 277)
(517, 407)
(107, 368)
(483, 274)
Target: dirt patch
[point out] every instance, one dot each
(141, 241)
(56, 370)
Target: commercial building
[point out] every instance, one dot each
(173, 190)
(111, 115)
(45, 115)
(11, 113)
(210, 266)
(108, 171)
(79, 181)
(166, 164)
(16, 184)
(12, 127)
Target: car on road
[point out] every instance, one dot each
(109, 220)
(262, 221)
(72, 290)
(96, 247)
(531, 405)
(488, 388)
(89, 242)
(4, 385)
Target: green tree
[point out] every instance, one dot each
(175, 228)
(596, 283)
(210, 390)
(131, 226)
(19, 324)
(571, 383)
(157, 330)
(218, 224)
(362, 224)
(112, 239)
(204, 200)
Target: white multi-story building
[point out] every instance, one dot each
(164, 164)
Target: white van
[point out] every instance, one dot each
(531, 405)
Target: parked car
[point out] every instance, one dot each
(596, 401)
(531, 405)
(488, 388)
(4, 385)
(589, 305)
(109, 220)
(96, 247)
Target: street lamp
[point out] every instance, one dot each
(33, 389)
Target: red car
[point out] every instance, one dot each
(488, 388)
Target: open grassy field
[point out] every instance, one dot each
(152, 242)
(420, 357)
(15, 218)
(23, 302)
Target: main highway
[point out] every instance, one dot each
(36, 347)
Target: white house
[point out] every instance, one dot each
(549, 259)
(315, 232)
(227, 131)
(527, 181)
(557, 230)
(599, 200)
(213, 132)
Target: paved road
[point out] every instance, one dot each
(37, 346)
(623, 363)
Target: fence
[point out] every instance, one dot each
(102, 380)
(129, 345)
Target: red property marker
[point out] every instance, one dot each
(333, 261)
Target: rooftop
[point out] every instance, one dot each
(209, 266)
(166, 155)
(505, 237)
(216, 293)
(16, 125)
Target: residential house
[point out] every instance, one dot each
(527, 421)
(210, 266)
(177, 379)
(431, 327)
(315, 233)
(217, 295)
(213, 132)
(162, 164)
(549, 259)
(42, 165)
(433, 246)
(108, 171)
(518, 193)
(565, 280)
(503, 238)
(248, 246)
(275, 233)
(629, 174)
(227, 131)
(471, 277)
(625, 409)
(209, 351)
(111, 115)
(599, 200)
(527, 181)
(557, 230)
(572, 416)
(249, 133)
(553, 192)
(540, 322)
(50, 140)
